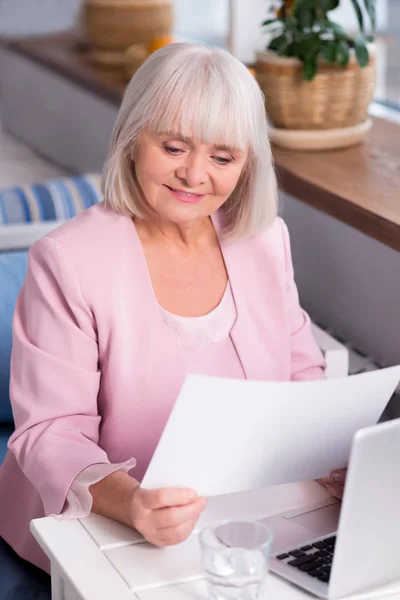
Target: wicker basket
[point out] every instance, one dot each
(118, 24)
(134, 58)
(337, 97)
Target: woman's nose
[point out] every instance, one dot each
(193, 172)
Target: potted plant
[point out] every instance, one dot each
(316, 75)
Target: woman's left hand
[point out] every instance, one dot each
(335, 482)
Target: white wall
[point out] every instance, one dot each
(31, 17)
(347, 280)
(62, 121)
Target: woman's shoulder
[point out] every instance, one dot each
(271, 246)
(96, 224)
(274, 238)
(275, 231)
(94, 232)
(90, 245)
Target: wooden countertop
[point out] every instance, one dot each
(359, 186)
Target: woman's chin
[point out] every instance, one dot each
(183, 214)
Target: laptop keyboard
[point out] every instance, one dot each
(315, 559)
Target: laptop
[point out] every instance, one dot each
(334, 548)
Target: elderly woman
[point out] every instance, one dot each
(184, 268)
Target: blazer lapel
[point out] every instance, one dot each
(252, 279)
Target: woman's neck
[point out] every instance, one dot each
(193, 234)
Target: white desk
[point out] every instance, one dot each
(97, 559)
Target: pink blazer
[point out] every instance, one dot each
(95, 370)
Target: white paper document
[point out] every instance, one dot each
(227, 435)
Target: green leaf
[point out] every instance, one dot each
(370, 6)
(274, 43)
(306, 17)
(342, 53)
(328, 5)
(359, 14)
(310, 68)
(330, 52)
(279, 44)
(361, 50)
(281, 51)
(307, 46)
(290, 50)
(305, 3)
(314, 45)
(339, 32)
(269, 22)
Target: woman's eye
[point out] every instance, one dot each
(172, 150)
(221, 160)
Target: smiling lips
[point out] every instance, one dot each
(185, 196)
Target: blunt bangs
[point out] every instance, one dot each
(200, 100)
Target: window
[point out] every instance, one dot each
(388, 58)
(202, 20)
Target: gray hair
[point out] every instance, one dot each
(205, 92)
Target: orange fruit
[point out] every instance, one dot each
(159, 42)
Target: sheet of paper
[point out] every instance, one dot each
(227, 435)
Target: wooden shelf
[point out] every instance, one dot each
(359, 186)
(64, 55)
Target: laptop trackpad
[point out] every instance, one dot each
(320, 521)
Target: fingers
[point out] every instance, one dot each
(166, 516)
(338, 476)
(335, 489)
(154, 499)
(336, 482)
(171, 536)
(176, 516)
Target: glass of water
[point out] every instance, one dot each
(235, 559)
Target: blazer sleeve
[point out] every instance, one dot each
(54, 377)
(307, 361)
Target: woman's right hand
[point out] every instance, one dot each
(165, 517)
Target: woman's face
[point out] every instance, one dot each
(183, 179)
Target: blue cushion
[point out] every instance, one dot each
(13, 267)
(57, 199)
(5, 432)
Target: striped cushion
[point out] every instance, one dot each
(57, 199)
